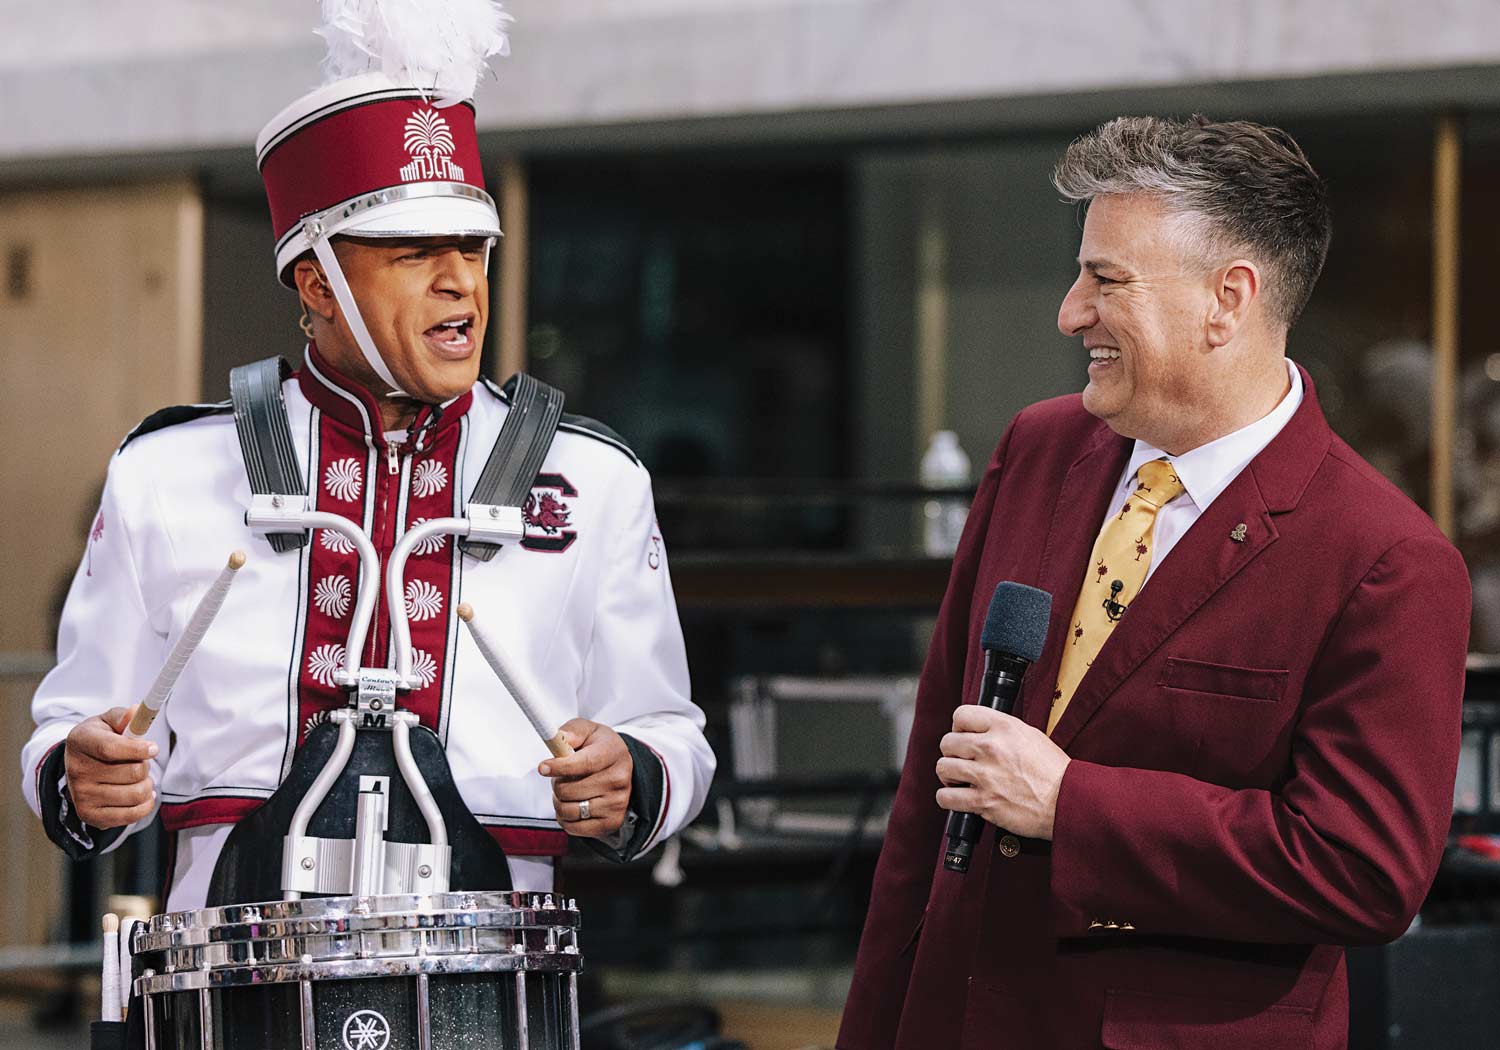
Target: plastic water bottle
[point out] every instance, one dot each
(945, 465)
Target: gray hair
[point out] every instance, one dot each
(1237, 186)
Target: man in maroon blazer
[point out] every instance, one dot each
(1256, 766)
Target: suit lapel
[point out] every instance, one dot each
(1204, 560)
(1081, 505)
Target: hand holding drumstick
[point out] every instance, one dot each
(591, 768)
(106, 759)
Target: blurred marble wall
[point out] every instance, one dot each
(88, 77)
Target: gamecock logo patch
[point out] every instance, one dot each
(548, 516)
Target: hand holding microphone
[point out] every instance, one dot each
(995, 767)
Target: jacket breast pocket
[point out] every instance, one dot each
(1147, 1021)
(1240, 683)
(1234, 717)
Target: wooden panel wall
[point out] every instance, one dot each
(100, 324)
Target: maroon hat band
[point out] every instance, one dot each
(364, 147)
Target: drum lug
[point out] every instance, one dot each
(309, 1019)
(424, 1015)
(206, 1018)
(575, 1033)
(522, 1037)
(148, 1004)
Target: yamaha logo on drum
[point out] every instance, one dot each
(366, 1030)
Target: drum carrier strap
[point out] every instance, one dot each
(525, 437)
(266, 437)
(271, 461)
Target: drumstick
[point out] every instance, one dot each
(127, 933)
(521, 689)
(109, 987)
(202, 619)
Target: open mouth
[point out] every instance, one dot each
(454, 336)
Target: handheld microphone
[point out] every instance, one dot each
(1015, 629)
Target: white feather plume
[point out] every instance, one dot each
(439, 46)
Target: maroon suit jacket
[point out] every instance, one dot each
(1263, 757)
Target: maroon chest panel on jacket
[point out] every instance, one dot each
(431, 572)
(345, 470)
(385, 489)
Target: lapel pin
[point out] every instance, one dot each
(1238, 535)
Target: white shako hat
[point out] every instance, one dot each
(387, 147)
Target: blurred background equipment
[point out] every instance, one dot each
(945, 465)
(779, 246)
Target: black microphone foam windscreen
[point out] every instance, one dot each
(1017, 621)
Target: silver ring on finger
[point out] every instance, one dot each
(583, 810)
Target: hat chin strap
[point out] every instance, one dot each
(345, 298)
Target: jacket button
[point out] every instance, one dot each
(1009, 846)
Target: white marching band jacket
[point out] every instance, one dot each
(584, 602)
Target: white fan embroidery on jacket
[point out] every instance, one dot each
(314, 720)
(423, 667)
(431, 545)
(332, 595)
(336, 541)
(342, 479)
(430, 477)
(423, 600)
(324, 662)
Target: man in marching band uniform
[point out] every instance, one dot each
(384, 230)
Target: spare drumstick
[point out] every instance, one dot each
(517, 683)
(127, 933)
(182, 652)
(109, 987)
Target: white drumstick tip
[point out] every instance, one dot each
(236, 561)
(466, 612)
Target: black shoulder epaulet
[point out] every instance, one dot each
(599, 432)
(170, 417)
(574, 424)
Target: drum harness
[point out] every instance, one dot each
(280, 511)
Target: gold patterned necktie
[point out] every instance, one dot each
(1117, 571)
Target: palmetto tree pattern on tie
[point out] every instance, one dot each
(1122, 554)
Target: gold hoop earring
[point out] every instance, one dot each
(306, 323)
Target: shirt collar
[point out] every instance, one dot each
(338, 396)
(1208, 469)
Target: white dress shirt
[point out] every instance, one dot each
(1206, 471)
